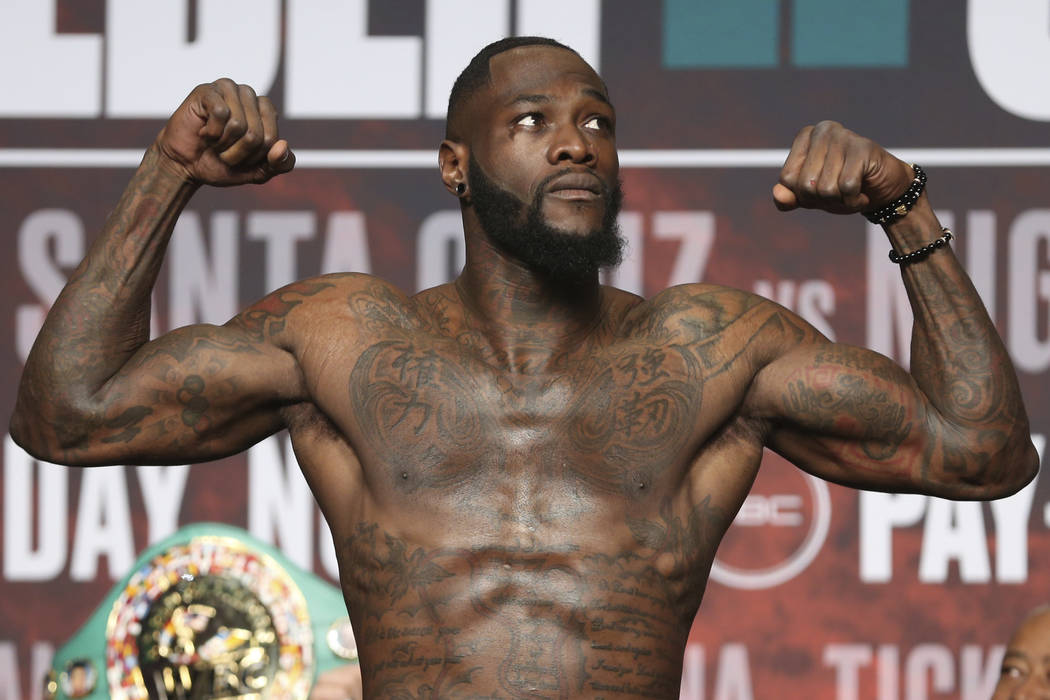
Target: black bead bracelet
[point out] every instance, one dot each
(922, 252)
(903, 204)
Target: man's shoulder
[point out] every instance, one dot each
(325, 298)
(312, 290)
(698, 310)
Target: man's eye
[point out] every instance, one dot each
(596, 123)
(530, 119)
(1011, 672)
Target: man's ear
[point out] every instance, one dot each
(452, 160)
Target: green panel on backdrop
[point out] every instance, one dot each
(849, 33)
(707, 34)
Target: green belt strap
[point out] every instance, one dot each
(212, 606)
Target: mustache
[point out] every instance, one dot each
(545, 182)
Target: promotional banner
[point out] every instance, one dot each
(818, 591)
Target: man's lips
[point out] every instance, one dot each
(577, 186)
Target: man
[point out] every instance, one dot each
(1026, 665)
(526, 473)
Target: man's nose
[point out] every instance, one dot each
(571, 144)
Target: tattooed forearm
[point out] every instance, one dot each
(102, 315)
(962, 366)
(96, 389)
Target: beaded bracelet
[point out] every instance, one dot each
(903, 204)
(921, 253)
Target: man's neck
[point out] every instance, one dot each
(520, 311)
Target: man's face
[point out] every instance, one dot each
(543, 168)
(1026, 665)
(78, 681)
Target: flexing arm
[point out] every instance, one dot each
(955, 426)
(94, 390)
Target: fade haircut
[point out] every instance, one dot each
(476, 75)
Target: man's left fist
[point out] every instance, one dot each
(832, 168)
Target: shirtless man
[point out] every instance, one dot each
(526, 473)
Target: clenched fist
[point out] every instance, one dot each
(224, 134)
(831, 168)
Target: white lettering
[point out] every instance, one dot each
(147, 39)
(1010, 49)
(889, 312)
(326, 545)
(696, 232)
(1011, 517)
(889, 315)
(48, 75)
(440, 250)
(692, 673)
(23, 562)
(103, 527)
(577, 24)
(1011, 535)
(981, 255)
(199, 292)
(977, 680)
(41, 654)
(778, 510)
(879, 514)
(938, 661)
(816, 301)
(734, 674)
(346, 244)
(954, 530)
(374, 76)
(783, 292)
(847, 660)
(888, 670)
(926, 665)
(489, 21)
(44, 231)
(813, 300)
(629, 275)
(280, 505)
(281, 230)
(162, 490)
(10, 686)
(1029, 288)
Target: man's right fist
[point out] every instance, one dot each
(224, 134)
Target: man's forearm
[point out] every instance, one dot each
(102, 315)
(960, 363)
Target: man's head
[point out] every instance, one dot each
(1026, 665)
(476, 77)
(531, 152)
(79, 679)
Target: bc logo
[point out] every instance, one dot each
(778, 531)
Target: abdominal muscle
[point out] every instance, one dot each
(514, 622)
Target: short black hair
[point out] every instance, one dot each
(476, 75)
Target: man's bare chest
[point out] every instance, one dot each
(433, 412)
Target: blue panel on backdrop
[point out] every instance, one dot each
(849, 33)
(719, 34)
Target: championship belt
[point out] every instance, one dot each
(210, 612)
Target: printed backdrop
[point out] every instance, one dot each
(819, 591)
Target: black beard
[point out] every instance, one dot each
(520, 231)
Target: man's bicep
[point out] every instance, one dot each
(846, 414)
(200, 392)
